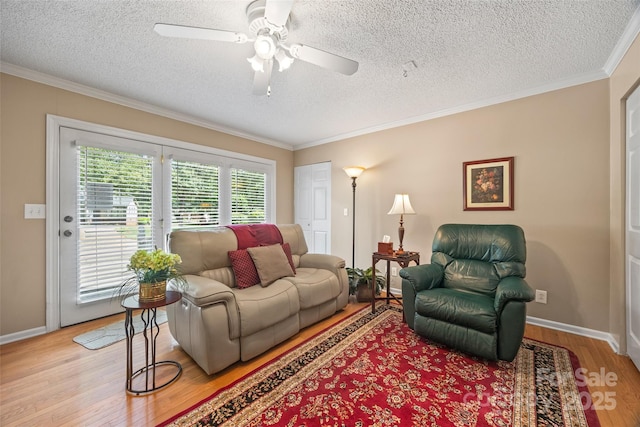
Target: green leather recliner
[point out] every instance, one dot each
(473, 295)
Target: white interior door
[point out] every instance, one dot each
(109, 208)
(633, 227)
(313, 205)
(303, 201)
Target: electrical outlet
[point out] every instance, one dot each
(541, 296)
(346, 211)
(394, 271)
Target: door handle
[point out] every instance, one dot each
(67, 233)
(68, 218)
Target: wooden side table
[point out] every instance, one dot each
(150, 333)
(403, 260)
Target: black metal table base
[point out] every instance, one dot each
(145, 370)
(150, 332)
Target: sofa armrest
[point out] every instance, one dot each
(334, 264)
(323, 261)
(415, 279)
(203, 291)
(423, 277)
(512, 288)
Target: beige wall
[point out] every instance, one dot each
(569, 198)
(560, 141)
(24, 105)
(622, 83)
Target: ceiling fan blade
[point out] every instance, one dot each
(324, 59)
(181, 31)
(262, 79)
(277, 11)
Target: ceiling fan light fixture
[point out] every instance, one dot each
(269, 21)
(256, 63)
(265, 46)
(284, 60)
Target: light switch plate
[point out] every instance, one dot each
(34, 211)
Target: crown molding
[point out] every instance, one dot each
(560, 84)
(59, 83)
(628, 36)
(632, 30)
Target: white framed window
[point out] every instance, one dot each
(114, 216)
(195, 194)
(208, 190)
(248, 196)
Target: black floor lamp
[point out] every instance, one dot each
(353, 172)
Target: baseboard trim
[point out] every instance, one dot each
(564, 327)
(577, 330)
(17, 336)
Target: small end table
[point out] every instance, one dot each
(150, 333)
(403, 259)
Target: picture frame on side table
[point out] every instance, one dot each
(488, 185)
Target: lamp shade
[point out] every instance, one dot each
(354, 171)
(401, 206)
(284, 60)
(256, 63)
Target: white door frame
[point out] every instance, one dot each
(632, 244)
(52, 221)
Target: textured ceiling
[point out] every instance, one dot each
(467, 53)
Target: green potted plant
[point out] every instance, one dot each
(360, 283)
(151, 271)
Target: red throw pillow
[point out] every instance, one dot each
(287, 251)
(244, 269)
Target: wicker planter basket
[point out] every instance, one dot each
(153, 291)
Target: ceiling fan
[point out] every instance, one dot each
(268, 21)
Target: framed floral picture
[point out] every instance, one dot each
(488, 185)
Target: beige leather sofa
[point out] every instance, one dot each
(217, 323)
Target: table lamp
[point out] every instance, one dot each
(401, 206)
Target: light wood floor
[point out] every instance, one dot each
(50, 380)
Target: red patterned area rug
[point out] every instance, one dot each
(372, 370)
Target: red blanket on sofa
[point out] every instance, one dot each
(251, 235)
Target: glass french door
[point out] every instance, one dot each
(110, 190)
(114, 194)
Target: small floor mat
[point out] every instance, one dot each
(110, 334)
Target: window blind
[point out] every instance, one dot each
(248, 196)
(114, 217)
(194, 195)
